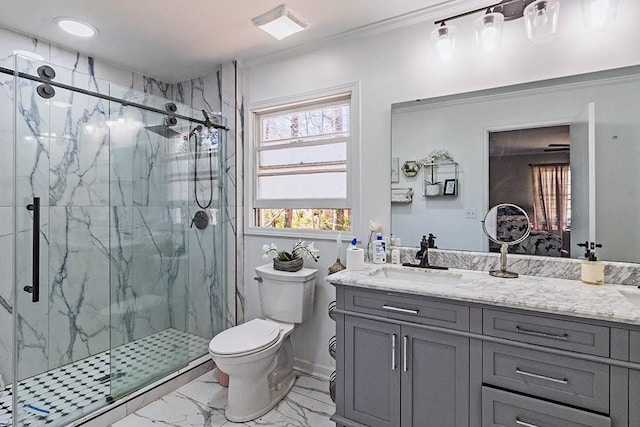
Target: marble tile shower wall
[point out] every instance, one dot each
(91, 185)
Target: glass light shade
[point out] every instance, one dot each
(489, 31)
(443, 40)
(597, 13)
(281, 22)
(541, 19)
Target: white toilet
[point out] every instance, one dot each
(258, 355)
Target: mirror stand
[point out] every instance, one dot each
(504, 247)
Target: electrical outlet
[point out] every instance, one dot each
(470, 214)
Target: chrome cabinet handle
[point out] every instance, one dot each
(404, 349)
(562, 337)
(393, 352)
(542, 377)
(522, 423)
(399, 310)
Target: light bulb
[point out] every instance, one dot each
(489, 31)
(489, 38)
(444, 49)
(443, 40)
(541, 19)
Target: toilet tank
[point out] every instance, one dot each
(286, 296)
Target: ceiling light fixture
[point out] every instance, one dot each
(75, 27)
(281, 22)
(597, 13)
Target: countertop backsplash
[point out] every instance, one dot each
(621, 273)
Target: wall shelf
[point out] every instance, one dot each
(433, 186)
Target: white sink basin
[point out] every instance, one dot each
(632, 297)
(419, 275)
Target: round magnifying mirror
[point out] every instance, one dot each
(506, 224)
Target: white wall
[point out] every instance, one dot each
(399, 66)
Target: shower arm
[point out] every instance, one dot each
(124, 103)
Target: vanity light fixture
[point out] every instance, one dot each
(597, 13)
(281, 22)
(540, 16)
(75, 27)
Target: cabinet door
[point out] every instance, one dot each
(435, 379)
(634, 398)
(372, 372)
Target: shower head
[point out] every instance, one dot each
(164, 129)
(194, 130)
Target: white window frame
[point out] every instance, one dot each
(352, 169)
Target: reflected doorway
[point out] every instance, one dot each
(531, 168)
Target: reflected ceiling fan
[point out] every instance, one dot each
(557, 148)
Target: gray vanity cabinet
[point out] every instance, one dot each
(399, 374)
(406, 360)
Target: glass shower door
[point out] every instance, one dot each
(61, 245)
(148, 245)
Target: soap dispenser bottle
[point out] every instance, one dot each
(592, 270)
(379, 250)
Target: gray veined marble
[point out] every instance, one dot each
(202, 402)
(550, 295)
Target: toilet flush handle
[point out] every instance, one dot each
(258, 279)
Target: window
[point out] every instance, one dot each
(552, 196)
(302, 165)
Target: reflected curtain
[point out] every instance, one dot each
(551, 196)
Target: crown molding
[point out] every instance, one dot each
(431, 13)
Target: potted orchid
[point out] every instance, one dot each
(292, 260)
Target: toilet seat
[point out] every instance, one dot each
(247, 338)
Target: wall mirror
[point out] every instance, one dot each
(583, 128)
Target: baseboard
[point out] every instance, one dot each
(313, 369)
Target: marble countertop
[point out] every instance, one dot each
(543, 294)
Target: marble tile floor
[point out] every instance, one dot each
(201, 402)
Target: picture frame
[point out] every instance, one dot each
(450, 187)
(410, 168)
(395, 169)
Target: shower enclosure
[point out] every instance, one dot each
(105, 179)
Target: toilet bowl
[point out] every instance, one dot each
(258, 358)
(258, 355)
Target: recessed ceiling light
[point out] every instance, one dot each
(75, 27)
(281, 22)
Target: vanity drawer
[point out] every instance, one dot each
(562, 334)
(564, 379)
(502, 408)
(410, 309)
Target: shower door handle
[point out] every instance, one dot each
(34, 288)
